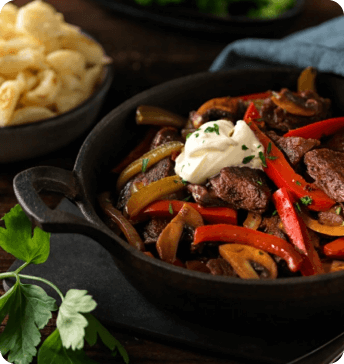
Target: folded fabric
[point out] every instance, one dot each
(321, 47)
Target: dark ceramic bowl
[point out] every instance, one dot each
(177, 289)
(20, 142)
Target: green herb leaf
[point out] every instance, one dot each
(243, 147)
(213, 129)
(184, 182)
(52, 351)
(197, 135)
(298, 183)
(187, 198)
(95, 328)
(268, 151)
(17, 238)
(338, 210)
(29, 309)
(248, 159)
(274, 213)
(306, 200)
(298, 206)
(144, 164)
(70, 322)
(170, 209)
(260, 182)
(188, 136)
(259, 146)
(271, 157)
(216, 129)
(262, 158)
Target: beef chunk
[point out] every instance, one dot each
(336, 142)
(205, 196)
(153, 229)
(278, 119)
(273, 225)
(163, 168)
(239, 187)
(293, 147)
(327, 168)
(165, 135)
(220, 267)
(332, 217)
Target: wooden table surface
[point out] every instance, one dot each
(143, 55)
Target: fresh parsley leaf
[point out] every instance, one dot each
(268, 151)
(260, 182)
(262, 158)
(274, 213)
(298, 183)
(17, 238)
(216, 129)
(184, 182)
(29, 310)
(338, 210)
(272, 158)
(248, 159)
(197, 135)
(188, 136)
(297, 206)
(306, 200)
(170, 209)
(259, 146)
(213, 129)
(95, 328)
(243, 147)
(52, 351)
(70, 322)
(187, 198)
(144, 164)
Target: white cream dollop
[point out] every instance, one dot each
(215, 145)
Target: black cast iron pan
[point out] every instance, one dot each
(192, 294)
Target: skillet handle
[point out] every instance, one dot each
(28, 183)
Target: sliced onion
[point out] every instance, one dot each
(153, 115)
(152, 157)
(320, 228)
(116, 216)
(306, 80)
(253, 221)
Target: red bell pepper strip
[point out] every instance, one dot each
(335, 249)
(257, 239)
(319, 129)
(281, 173)
(297, 231)
(256, 96)
(170, 208)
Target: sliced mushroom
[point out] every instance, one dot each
(168, 240)
(240, 257)
(294, 104)
(221, 107)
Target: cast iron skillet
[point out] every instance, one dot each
(188, 293)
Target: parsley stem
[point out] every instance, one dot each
(21, 267)
(44, 281)
(8, 275)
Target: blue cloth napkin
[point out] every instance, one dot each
(321, 47)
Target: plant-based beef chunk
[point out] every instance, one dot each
(242, 188)
(205, 196)
(220, 267)
(153, 229)
(162, 169)
(327, 168)
(273, 225)
(165, 135)
(332, 217)
(336, 142)
(280, 120)
(293, 147)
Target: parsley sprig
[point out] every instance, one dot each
(213, 129)
(29, 308)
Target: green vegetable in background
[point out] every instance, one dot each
(29, 308)
(255, 8)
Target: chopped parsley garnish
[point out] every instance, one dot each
(243, 147)
(248, 159)
(184, 182)
(271, 157)
(298, 183)
(262, 158)
(170, 209)
(187, 198)
(203, 141)
(197, 135)
(260, 253)
(214, 129)
(338, 210)
(298, 206)
(188, 136)
(260, 182)
(306, 200)
(144, 164)
(259, 146)
(175, 181)
(182, 168)
(274, 213)
(260, 119)
(268, 151)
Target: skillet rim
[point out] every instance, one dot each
(127, 105)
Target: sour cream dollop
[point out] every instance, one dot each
(215, 145)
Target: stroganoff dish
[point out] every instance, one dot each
(250, 187)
